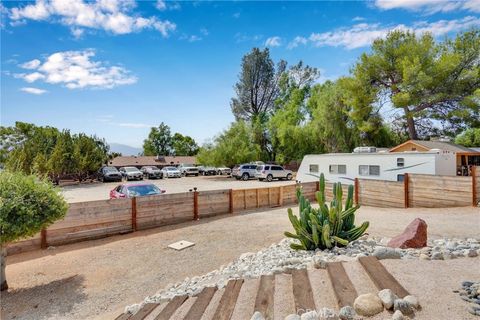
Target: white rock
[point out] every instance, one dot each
(327, 314)
(257, 316)
(293, 317)
(397, 315)
(387, 297)
(412, 300)
(310, 315)
(346, 313)
(386, 253)
(403, 306)
(368, 305)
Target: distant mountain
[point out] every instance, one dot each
(124, 149)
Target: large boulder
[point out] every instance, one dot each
(368, 305)
(414, 236)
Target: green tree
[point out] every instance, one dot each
(423, 79)
(62, 160)
(256, 91)
(27, 205)
(233, 146)
(184, 145)
(469, 138)
(89, 155)
(159, 141)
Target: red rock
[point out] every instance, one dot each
(414, 236)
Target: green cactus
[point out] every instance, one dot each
(326, 226)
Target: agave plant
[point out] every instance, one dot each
(325, 227)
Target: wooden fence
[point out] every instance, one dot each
(96, 219)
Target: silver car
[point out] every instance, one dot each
(269, 172)
(152, 172)
(131, 173)
(244, 171)
(188, 169)
(171, 172)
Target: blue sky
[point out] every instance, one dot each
(115, 69)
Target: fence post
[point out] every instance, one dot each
(355, 190)
(474, 186)
(43, 238)
(134, 214)
(405, 190)
(280, 196)
(195, 204)
(230, 201)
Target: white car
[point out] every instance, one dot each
(188, 169)
(224, 170)
(171, 172)
(131, 173)
(269, 172)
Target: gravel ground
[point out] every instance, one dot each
(100, 191)
(97, 279)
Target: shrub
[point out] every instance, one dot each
(325, 227)
(27, 204)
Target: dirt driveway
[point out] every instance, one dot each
(97, 279)
(100, 191)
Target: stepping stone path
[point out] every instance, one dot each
(220, 304)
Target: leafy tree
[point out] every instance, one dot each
(257, 86)
(233, 146)
(159, 141)
(469, 138)
(184, 145)
(421, 78)
(89, 154)
(62, 160)
(27, 206)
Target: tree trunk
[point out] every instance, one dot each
(412, 131)
(3, 278)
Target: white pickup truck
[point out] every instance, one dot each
(188, 170)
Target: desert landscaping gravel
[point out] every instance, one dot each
(98, 279)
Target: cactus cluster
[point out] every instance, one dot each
(325, 227)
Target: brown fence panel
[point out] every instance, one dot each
(289, 194)
(90, 220)
(238, 198)
(28, 244)
(426, 191)
(165, 209)
(211, 203)
(380, 193)
(309, 189)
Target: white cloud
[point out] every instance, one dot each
(204, 31)
(363, 34)
(31, 64)
(75, 69)
(273, 42)
(236, 15)
(33, 90)
(109, 15)
(296, 42)
(163, 5)
(429, 6)
(356, 19)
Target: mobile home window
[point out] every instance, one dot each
(400, 162)
(366, 170)
(314, 168)
(338, 169)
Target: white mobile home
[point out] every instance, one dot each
(368, 164)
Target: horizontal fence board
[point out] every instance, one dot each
(24, 245)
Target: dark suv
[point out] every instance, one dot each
(109, 174)
(244, 171)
